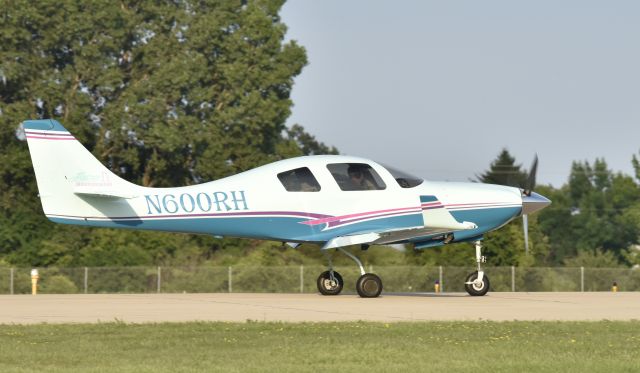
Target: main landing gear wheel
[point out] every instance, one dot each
(475, 287)
(369, 286)
(328, 285)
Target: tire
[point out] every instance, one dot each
(369, 285)
(326, 286)
(475, 290)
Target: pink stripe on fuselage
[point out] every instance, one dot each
(334, 224)
(479, 204)
(50, 137)
(351, 216)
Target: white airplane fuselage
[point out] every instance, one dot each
(256, 204)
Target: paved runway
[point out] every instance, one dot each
(139, 308)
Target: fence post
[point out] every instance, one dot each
(513, 279)
(159, 278)
(582, 279)
(301, 279)
(11, 281)
(86, 279)
(230, 279)
(440, 279)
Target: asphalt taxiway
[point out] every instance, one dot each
(141, 308)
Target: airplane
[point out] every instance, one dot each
(331, 200)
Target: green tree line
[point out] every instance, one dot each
(178, 93)
(163, 93)
(594, 219)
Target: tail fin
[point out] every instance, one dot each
(70, 179)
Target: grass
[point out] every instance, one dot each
(350, 347)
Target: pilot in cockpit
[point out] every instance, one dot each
(358, 179)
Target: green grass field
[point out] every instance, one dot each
(328, 347)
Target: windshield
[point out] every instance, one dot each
(404, 179)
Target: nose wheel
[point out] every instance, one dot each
(476, 286)
(330, 283)
(477, 283)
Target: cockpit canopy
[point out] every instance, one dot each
(349, 173)
(404, 179)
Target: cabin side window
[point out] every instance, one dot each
(299, 180)
(356, 176)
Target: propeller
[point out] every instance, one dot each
(525, 226)
(531, 179)
(531, 183)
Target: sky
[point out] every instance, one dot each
(438, 88)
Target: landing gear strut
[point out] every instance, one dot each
(330, 282)
(477, 283)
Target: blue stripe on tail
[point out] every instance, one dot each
(43, 125)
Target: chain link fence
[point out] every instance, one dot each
(302, 279)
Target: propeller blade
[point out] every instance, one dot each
(525, 226)
(531, 180)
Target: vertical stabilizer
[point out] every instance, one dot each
(70, 179)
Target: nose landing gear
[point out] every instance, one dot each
(477, 283)
(330, 282)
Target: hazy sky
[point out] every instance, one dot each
(439, 87)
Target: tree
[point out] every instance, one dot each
(504, 171)
(636, 166)
(595, 210)
(580, 181)
(163, 93)
(593, 259)
(556, 224)
(308, 143)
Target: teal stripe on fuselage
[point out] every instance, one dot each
(276, 228)
(289, 228)
(269, 228)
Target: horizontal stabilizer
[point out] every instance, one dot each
(104, 193)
